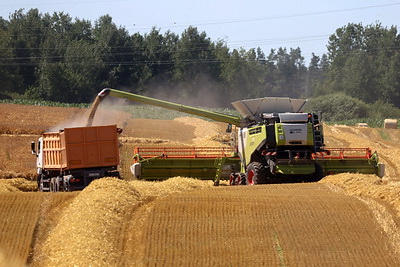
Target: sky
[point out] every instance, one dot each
(247, 24)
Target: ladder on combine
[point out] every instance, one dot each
(318, 133)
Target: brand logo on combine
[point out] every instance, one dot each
(292, 131)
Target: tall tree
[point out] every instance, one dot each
(362, 60)
(195, 63)
(113, 44)
(26, 33)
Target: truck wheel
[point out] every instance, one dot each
(39, 181)
(256, 174)
(52, 184)
(41, 185)
(57, 184)
(44, 183)
(66, 185)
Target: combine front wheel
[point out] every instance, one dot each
(255, 174)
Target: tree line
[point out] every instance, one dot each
(57, 58)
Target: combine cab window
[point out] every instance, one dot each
(255, 130)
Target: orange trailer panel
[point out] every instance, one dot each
(52, 150)
(82, 147)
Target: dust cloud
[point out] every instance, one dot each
(107, 113)
(204, 93)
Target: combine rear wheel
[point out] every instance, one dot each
(255, 174)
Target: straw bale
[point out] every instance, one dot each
(362, 124)
(90, 230)
(17, 184)
(390, 124)
(6, 187)
(167, 187)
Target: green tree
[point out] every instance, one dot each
(363, 62)
(158, 51)
(113, 44)
(26, 33)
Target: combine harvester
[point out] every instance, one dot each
(276, 142)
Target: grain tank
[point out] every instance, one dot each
(71, 158)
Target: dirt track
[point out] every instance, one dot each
(343, 220)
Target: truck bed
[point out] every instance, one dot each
(81, 147)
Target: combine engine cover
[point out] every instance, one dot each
(294, 130)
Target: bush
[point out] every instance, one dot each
(382, 110)
(338, 107)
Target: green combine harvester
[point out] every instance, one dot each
(276, 142)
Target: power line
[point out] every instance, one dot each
(230, 21)
(187, 24)
(88, 61)
(233, 43)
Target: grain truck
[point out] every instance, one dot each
(276, 142)
(71, 158)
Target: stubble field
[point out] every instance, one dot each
(346, 219)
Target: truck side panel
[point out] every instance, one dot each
(87, 147)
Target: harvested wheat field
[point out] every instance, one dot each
(343, 220)
(273, 225)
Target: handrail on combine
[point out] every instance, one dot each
(344, 153)
(183, 152)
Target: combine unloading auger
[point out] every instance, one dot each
(276, 143)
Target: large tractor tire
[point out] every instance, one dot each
(237, 178)
(255, 174)
(319, 173)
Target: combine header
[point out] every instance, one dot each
(360, 160)
(276, 142)
(210, 163)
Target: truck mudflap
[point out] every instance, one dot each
(353, 160)
(205, 163)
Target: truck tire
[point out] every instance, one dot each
(256, 174)
(52, 184)
(66, 185)
(40, 185)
